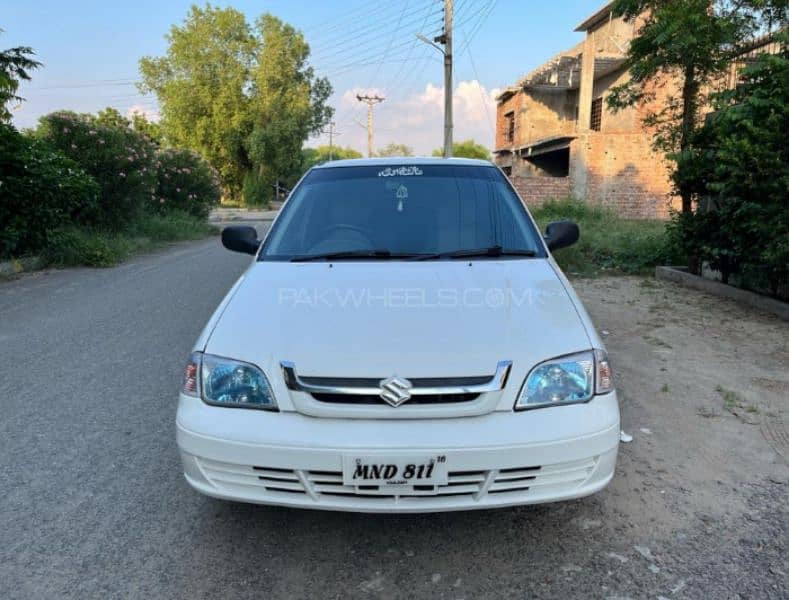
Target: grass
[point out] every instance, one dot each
(731, 399)
(79, 246)
(608, 243)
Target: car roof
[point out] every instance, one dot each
(403, 161)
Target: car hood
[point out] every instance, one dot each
(415, 319)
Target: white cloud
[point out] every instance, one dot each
(417, 119)
(149, 113)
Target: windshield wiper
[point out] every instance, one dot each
(492, 251)
(350, 254)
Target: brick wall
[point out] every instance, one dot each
(622, 173)
(511, 105)
(536, 190)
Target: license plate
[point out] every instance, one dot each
(395, 471)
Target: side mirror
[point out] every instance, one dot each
(241, 238)
(561, 234)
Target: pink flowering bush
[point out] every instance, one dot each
(186, 183)
(40, 189)
(122, 161)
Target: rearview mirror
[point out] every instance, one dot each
(561, 234)
(241, 238)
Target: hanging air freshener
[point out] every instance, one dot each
(402, 194)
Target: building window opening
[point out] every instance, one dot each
(597, 115)
(509, 127)
(551, 164)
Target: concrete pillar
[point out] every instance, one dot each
(587, 84)
(579, 170)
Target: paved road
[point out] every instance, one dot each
(93, 505)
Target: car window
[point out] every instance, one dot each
(401, 209)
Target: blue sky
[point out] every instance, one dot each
(91, 48)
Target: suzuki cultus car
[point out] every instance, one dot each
(403, 341)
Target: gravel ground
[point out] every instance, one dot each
(93, 504)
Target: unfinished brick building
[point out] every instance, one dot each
(555, 137)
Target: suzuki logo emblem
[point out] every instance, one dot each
(395, 390)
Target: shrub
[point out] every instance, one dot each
(121, 161)
(256, 190)
(607, 241)
(739, 169)
(186, 183)
(172, 226)
(40, 189)
(74, 246)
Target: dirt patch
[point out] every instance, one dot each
(703, 387)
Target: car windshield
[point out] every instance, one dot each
(402, 211)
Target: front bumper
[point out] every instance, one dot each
(498, 459)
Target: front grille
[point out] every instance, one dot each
(371, 399)
(373, 395)
(417, 382)
(459, 483)
(272, 482)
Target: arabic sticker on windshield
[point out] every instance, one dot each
(403, 171)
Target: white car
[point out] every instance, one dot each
(402, 342)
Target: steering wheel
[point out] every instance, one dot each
(327, 232)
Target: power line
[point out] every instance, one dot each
(391, 39)
(481, 95)
(359, 43)
(365, 29)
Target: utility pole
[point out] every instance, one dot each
(446, 40)
(370, 101)
(332, 132)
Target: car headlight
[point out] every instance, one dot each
(568, 379)
(227, 382)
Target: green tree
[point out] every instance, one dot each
(321, 154)
(201, 83)
(694, 40)
(466, 149)
(740, 164)
(395, 150)
(244, 97)
(15, 63)
(111, 117)
(149, 129)
(288, 103)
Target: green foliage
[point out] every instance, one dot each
(175, 225)
(73, 246)
(395, 150)
(111, 117)
(121, 161)
(244, 97)
(186, 183)
(256, 191)
(466, 149)
(201, 84)
(740, 165)
(321, 154)
(15, 63)
(149, 129)
(607, 241)
(39, 190)
(288, 103)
